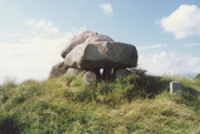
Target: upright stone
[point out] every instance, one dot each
(107, 73)
(57, 70)
(73, 71)
(175, 87)
(90, 78)
(97, 72)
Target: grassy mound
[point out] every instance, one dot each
(135, 104)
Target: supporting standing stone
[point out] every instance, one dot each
(57, 70)
(175, 87)
(73, 71)
(97, 72)
(107, 73)
(90, 78)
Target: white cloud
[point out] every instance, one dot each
(107, 8)
(183, 22)
(15, 35)
(46, 26)
(171, 62)
(150, 47)
(34, 55)
(191, 45)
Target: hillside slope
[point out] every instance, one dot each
(135, 104)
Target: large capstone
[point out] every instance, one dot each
(85, 37)
(104, 54)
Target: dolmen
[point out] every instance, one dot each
(89, 52)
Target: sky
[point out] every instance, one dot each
(33, 33)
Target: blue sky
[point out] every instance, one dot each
(34, 32)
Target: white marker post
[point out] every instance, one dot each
(175, 87)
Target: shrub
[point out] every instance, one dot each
(197, 77)
(7, 90)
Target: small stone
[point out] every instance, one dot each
(73, 71)
(90, 78)
(175, 87)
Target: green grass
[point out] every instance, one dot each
(135, 104)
